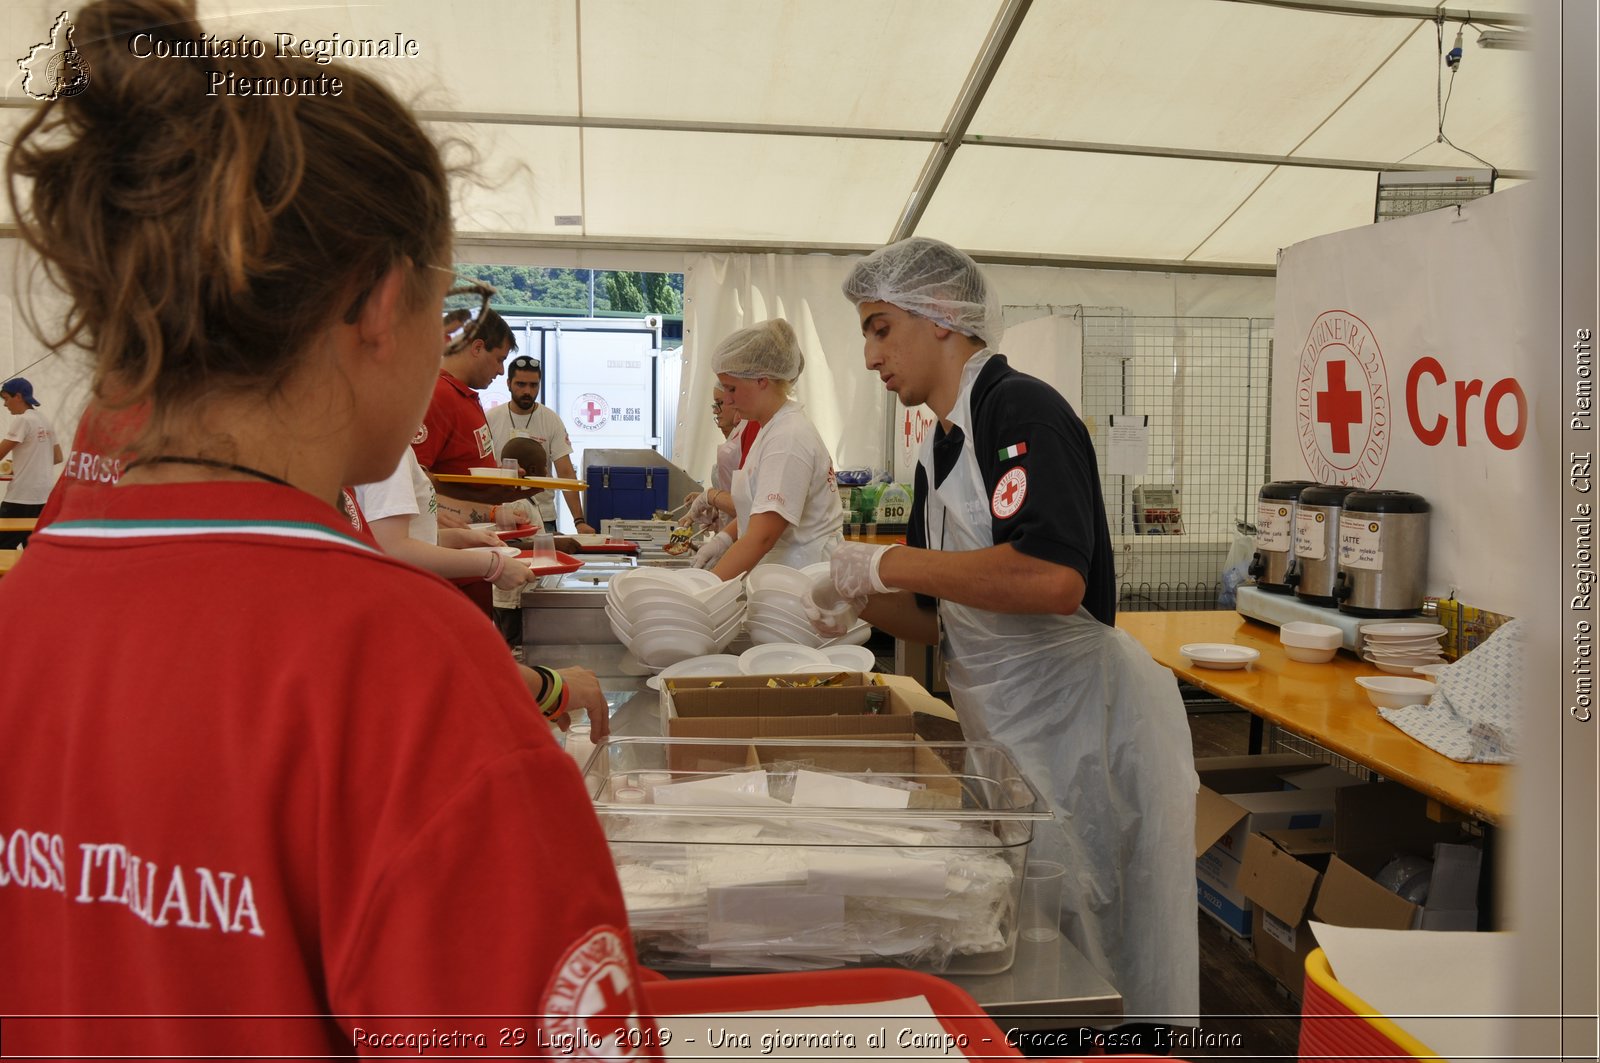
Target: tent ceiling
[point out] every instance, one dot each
(1175, 134)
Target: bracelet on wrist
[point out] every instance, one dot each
(497, 565)
(553, 698)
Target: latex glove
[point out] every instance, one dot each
(709, 554)
(854, 568)
(701, 511)
(831, 623)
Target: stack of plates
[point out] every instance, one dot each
(1401, 647)
(777, 610)
(667, 615)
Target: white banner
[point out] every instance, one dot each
(1404, 361)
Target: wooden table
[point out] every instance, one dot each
(8, 558)
(18, 524)
(1320, 702)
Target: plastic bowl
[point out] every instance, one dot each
(1309, 655)
(779, 578)
(1393, 691)
(496, 471)
(1310, 636)
(661, 646)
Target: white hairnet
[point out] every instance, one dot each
(770, 349)
(931, 279)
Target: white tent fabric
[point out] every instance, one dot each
(1163, 135)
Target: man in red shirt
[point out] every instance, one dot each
(454, 437)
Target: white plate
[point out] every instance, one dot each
(853, 637)
(710, 664)
(483, 525)
(1400, 669)
(1404, 629)
(775, 658)
(1396, 645)
(855, 658)
(1219, 654)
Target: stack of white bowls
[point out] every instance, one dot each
(777, 611)
(668, 615)
(1401, 647)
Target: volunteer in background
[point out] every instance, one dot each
(401, 510)
(31, 444)
(713, 507)
(524, 417)
(785, 497)
(454, 437)
(287, 796)
(1009, 555)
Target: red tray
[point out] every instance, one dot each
(525, 532)
(730, 994)
(563, 563)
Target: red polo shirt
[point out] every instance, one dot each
(454, 435)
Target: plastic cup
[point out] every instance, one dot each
(511, 466)
(1041, 900)
(543, 546)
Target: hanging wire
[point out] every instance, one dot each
(1441, 97)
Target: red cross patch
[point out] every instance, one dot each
(1009, 493)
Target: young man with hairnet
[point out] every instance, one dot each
(1009, 559)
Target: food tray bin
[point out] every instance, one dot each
(807, 854)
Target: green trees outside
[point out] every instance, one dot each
(537, 289)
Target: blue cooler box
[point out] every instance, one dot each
(628, 492)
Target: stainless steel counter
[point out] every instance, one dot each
(1050, 985)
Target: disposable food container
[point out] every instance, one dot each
(809, 853)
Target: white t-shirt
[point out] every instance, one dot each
(406, 492)
(790, 472)
(33, 459)
(543, 424)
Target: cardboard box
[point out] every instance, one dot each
(896, 756)
(1376, 823)
(1238, 796)
(704, 698)
(1280, 874)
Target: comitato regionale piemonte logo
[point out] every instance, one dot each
(54, 68)
(1341, 400)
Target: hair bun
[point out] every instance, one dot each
(122, 83)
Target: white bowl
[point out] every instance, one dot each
(665, 614)
(1308, 655)
(696, 580)
(1310, 636)
(770, 631)
(639, 597)
(812, 571)
(486, 471)
(1402, 646)
(624, 634)
(727, 631)
(1402, 629)
(718, 617)
(662, 646)
(855, 658)
(718, 597)
(780, 578)
(1400, 669)
(768, 611)
(775, 658)
(1430, 671)
(855, 636)
(1391, 692)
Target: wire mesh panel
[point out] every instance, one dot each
(1178, 408)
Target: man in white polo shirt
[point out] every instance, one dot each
(525, 418)
(31, 444)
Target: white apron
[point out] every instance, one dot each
(1100, 729)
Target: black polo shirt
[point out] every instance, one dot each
(1039, 469)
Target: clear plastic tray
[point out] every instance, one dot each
(804, 854)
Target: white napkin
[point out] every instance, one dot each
(1475, 713)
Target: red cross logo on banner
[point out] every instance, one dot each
(1339, 407)
(1341, 401)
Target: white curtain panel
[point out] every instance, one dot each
(723, 293)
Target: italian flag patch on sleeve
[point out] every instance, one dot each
(1016, 450)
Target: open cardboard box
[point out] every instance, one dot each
(898, 756)
(1376, 823)
(703, 699)
(1279, 875)
(1240, 796)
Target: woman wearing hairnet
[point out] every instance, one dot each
(1010, 558)
(785, 499)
